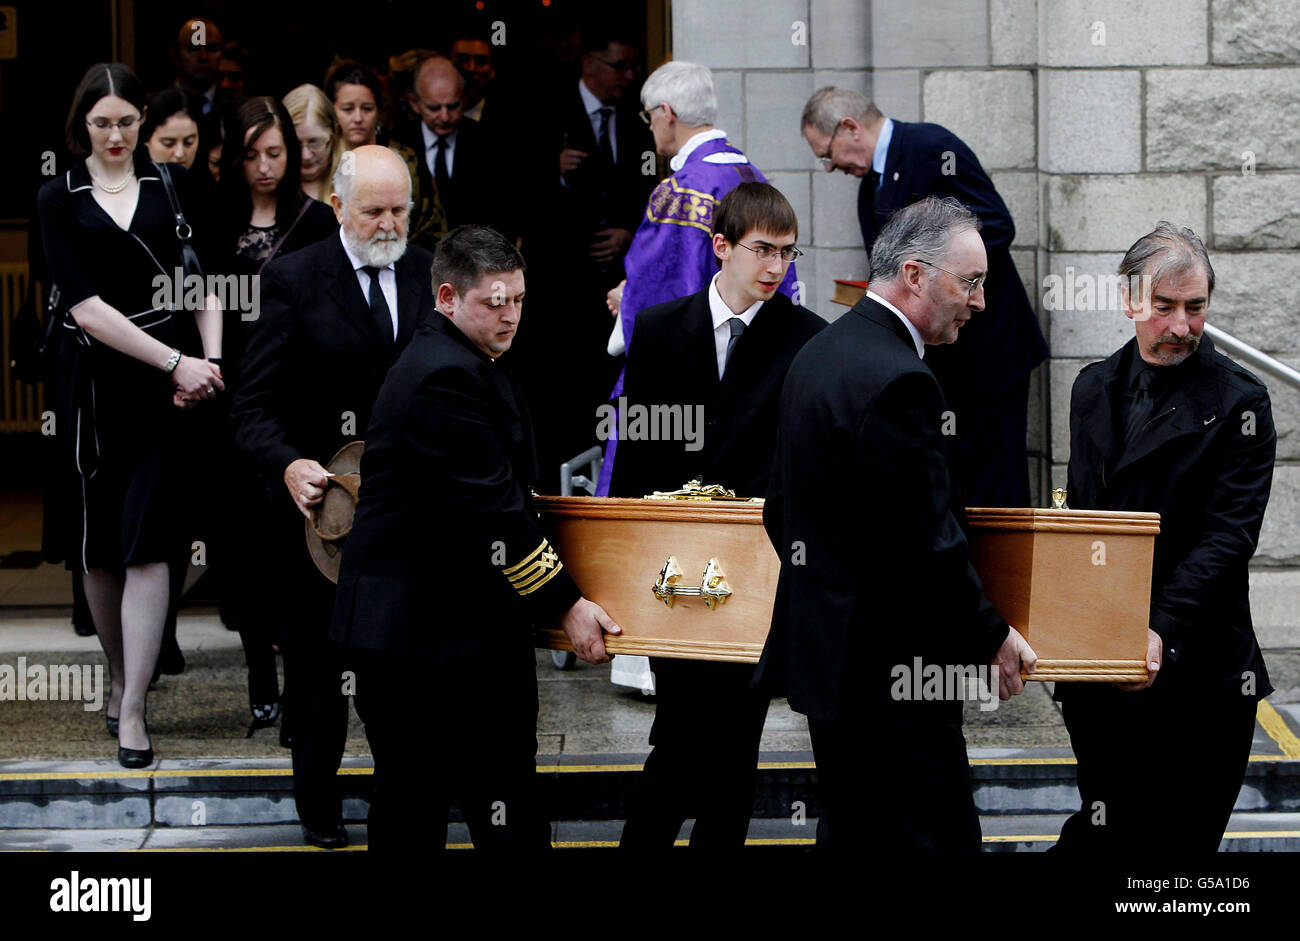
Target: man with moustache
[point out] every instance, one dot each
(447, 570)
(864, 511)
(1169, 424)
(334, 317)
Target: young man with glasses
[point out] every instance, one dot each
(720, 355)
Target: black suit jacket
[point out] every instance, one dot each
(483, 189)
(315, 355)
(675, 363)
(1205, 464)
(446, 555)
(1000, 345)
(875, 562)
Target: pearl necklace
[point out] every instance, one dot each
(116, 187)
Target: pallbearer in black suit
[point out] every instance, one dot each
(985, 377)
(720, 356)
(1169, 424)
(334, 317)
(446, 570)
(865, 515)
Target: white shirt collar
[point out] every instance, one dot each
(882, 146)
(589, 101)
(911, 327)
(679, 159)
(431, 139)
(357, 263)
(721, 312)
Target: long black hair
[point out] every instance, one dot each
(258, 115)
(101, 80)
(163, 104)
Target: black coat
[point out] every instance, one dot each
(875, 562)
(1205, 464)
(315, 358)
(446, 555)
(483, 189)
(1000, 345)
(675, 363)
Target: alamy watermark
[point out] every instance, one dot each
(944, 682)
(1095, 292)
(234, 292)
(63, 682)
(639, 422)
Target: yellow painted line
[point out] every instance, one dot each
(1273, 723)
(1022, 761)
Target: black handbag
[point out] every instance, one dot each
(189, 257)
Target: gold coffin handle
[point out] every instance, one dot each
(713, 584)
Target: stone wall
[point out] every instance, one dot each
(1095, 119)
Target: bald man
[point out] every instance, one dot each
(459, 160)
(334, 317)
(197, 57)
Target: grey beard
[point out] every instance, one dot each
(378, 252)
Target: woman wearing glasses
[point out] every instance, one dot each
(318, 132)
(109, 234)
(267, 215)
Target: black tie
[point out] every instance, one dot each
(440, 175)
(737, 328)
(1140, 408)
(602, 136)
(379, 306)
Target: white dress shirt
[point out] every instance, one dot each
(592, 104)
(387, 281)
(721, 315)
(431, 149)
(911, 328)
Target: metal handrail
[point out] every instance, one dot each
(1249, 356)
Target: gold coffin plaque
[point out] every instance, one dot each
(1075, 583)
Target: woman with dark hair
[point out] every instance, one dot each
(358, 97)
(170, 130)
(267, 215)
(109, 232)
(212, 139)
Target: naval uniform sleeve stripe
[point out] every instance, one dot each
(538, 584)
(542, 547)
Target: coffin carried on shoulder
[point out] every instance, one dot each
(696, 578)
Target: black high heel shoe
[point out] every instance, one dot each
(264, 716)
(135, 757)
(112, 722)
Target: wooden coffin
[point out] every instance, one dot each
(1075, 583)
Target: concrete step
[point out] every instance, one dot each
(221, 792)
(1027, 833)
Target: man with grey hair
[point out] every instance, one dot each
(1169, 424)
(672, 252)
(985, 378)
(334, 317)
(865, 514)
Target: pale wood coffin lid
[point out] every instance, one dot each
(1113, 522)
(633, 508)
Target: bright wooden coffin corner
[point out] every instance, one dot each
(697, 579)
(617, 551)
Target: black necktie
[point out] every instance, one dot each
(1140, 408)
(379, 306)
(440, 175)
(737, 328)
(602, 136)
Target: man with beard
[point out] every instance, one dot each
(334, 317)
(1169, 424)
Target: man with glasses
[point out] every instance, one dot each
(865, 513)
(720, 354)
(595, 172)
(672, 252)
(985, 377)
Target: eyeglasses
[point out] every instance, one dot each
(789, 253)
(317, 145)
(103, 124)
(648, 115)
(828, 159)
(622, 65)
(974, 285)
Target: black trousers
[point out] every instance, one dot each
(462, 730)
(895, 778)
(704, 757)
(1157, 772)
(991, 455)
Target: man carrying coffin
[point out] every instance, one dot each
(446, 570)
(722, 354)
(1169, 424)
(864, 514)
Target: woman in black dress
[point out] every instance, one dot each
(109, 237)
(266, 215)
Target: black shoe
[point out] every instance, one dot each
(264, 716)
(170, 659)
(331, 838)
(112, 723)
(134, 757)
(83, 628)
